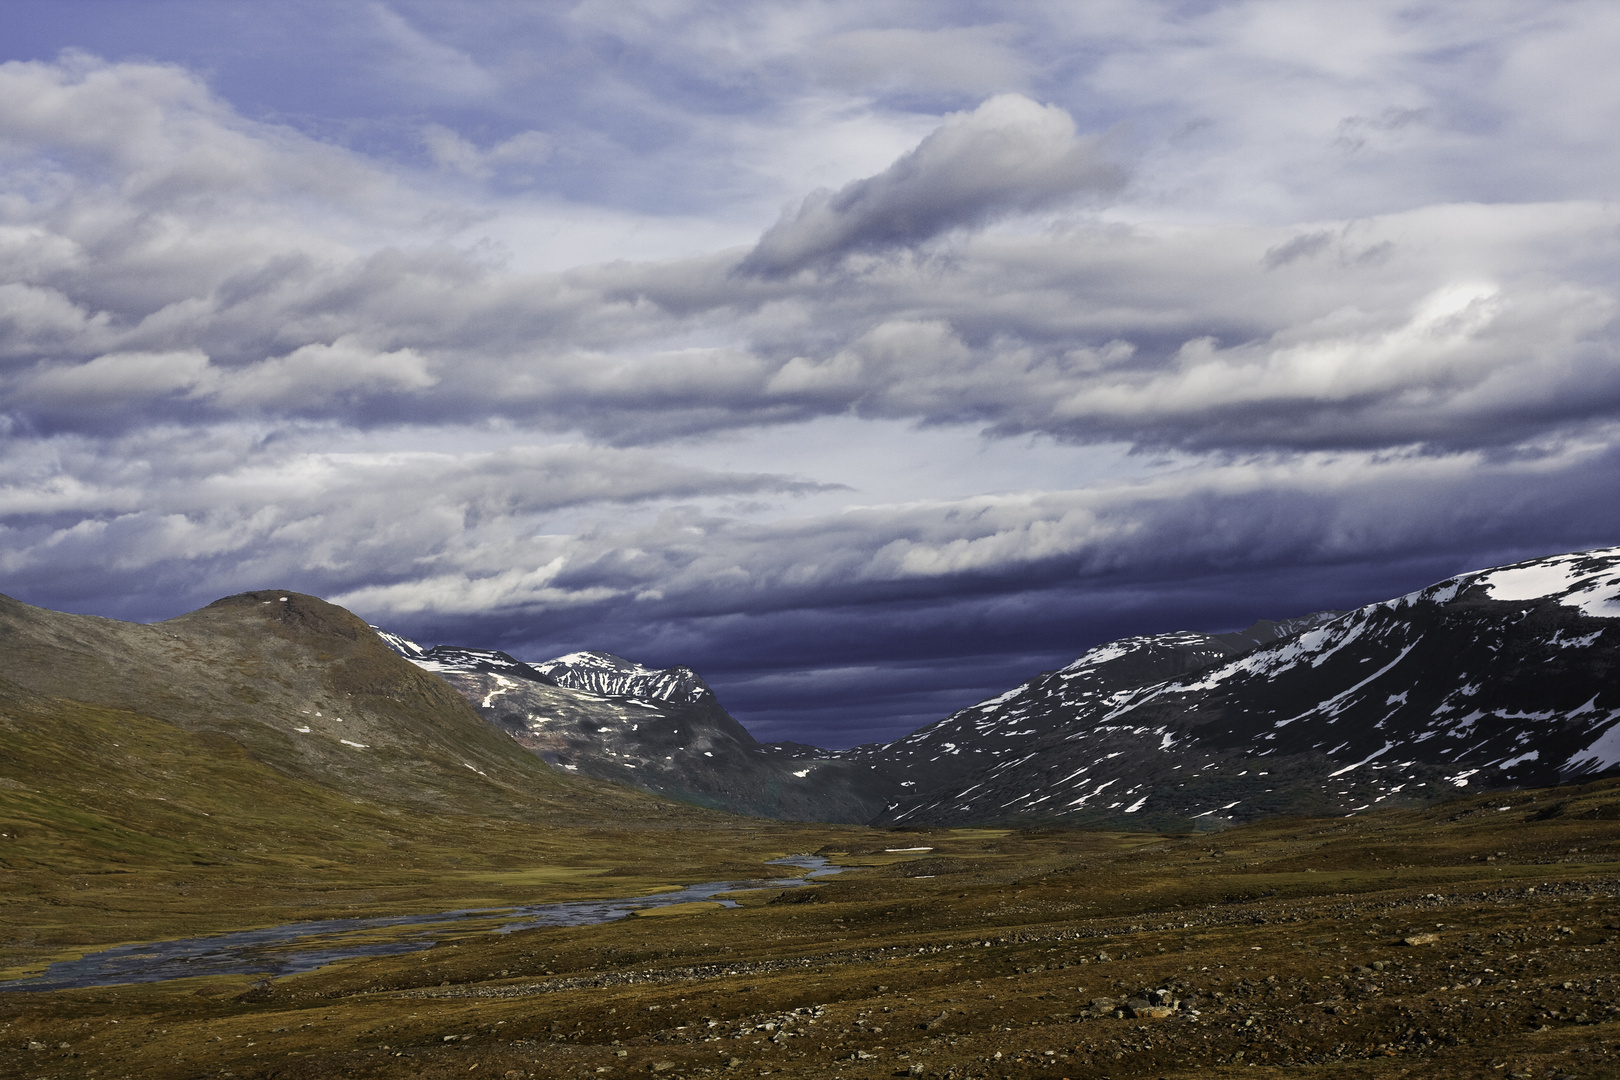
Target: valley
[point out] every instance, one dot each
(1477, 938)
(201, 791)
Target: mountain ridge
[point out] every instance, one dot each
(1471, 652)
(662, 730)
(1175, 730)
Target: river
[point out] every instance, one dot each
(305, 946)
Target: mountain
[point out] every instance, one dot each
(664, 731)
(1493, 679)
(613, 676)
(1498, 678)
(661, 730)
(1012, 726)
(298, 691)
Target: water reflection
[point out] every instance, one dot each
(305, 946)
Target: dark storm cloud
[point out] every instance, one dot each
(1256, 513)
(827, 623)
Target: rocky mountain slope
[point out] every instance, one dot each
(660, 730)
(1498, 678)
(1012, 726)
(663, 729)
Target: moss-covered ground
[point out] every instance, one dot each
(1277, 949)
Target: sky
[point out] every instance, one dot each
(868, 357)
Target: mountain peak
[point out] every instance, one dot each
(614, 676)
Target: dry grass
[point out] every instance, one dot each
(1282, 941)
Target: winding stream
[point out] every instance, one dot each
(305, 946)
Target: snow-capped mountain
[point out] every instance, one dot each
(1503, 677)
(1499, 678)
(453, 658)
(660, 730)
(1012, 725)
(613, 676)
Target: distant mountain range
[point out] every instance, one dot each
(1498, 678)
(661, 730)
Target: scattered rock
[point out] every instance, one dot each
(1421, 939)
(799, 896)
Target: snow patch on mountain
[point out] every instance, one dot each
(614, 676)
(1602, 754)
(407, 648)
(1597, 599)
(1495, 678)
(1588, 580)
(1530, 582)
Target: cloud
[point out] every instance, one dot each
(1449, 326)
(155, 136)
(321, 374)
(415, 59)
(967, 59)
(450, 151)
(209, 511)
(1223, 337)
(1009, 155)
(116, 379)
(1350, 327)
(1198, 519)
(1302, 246)
(824, 600)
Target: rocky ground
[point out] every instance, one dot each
(1476, 939)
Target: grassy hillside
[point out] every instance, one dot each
(299, 685)
(154, 783)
